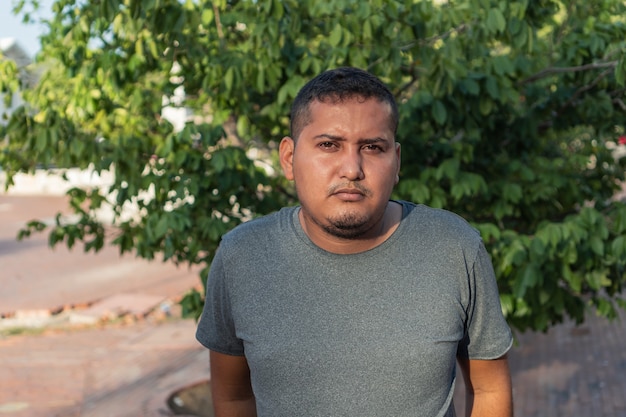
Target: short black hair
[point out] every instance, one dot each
(337, 85)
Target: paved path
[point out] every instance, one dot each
(572, 371)
(131, 367)
(29, 269)
(127, 368)
(112, 371)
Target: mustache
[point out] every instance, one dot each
(352, 185)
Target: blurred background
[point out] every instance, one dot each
(135, 133)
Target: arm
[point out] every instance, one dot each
(488, 387)
(230, 386)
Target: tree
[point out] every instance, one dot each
(507, 112)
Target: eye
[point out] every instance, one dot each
(326, 145)
(373, 148)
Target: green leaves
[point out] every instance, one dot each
(620, 70)
(335, 36)
(529, 276)
(508, 110)
(439, 112)
(495, 21)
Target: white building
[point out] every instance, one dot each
(11, 50)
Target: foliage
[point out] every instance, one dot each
(507, 109)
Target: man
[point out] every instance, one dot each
(352, 304)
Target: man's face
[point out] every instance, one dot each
(345, 164)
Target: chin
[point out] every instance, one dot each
(348, 226)
(346, 233)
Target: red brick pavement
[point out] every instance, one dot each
(105, 370)
(572, 371)
(33, 276)
(111, 371)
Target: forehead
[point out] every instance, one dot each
(346, 101)
(321, 109)
(350, 113)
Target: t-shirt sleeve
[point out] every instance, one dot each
(216, 329)
(488, 335)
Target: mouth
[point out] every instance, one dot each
(349, 194)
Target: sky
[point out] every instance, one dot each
(26, 35)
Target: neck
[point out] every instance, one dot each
(344, 246)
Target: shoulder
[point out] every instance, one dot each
(258, 231)
(439, 223)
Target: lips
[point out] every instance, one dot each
(349, 191)
(349, 194)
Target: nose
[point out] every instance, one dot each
(351, 166)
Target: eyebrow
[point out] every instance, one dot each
(364, 141)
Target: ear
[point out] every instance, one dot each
(285, 152)
(397, 162)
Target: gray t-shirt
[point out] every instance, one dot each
(375, 333)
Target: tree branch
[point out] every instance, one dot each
(407, 85)
(429, 41)
(459, 29)
(560, 70)
(575, 96)
(218, 24)
(587, 87)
